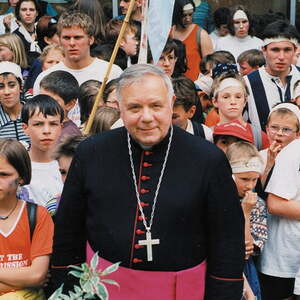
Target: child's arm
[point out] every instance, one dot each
(33, 275)
(282, 207)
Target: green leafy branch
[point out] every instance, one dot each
(91, 282)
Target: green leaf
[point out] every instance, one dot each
(73, 295)
(77, 289)
(102, 292)
(110, 269)
(76, 267)
(57, 293)
(88, 287)
(94, 261)
(109, 281)
(75, 274)
(85, 268)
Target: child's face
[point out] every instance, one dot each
(180, 116)
(230, 102)
(167, 62)
(129, 44)
(54, 57)
(245, 68)
(64, 163)
(282, 129)
(9, 180)
(112, 100)
(245, 182)
(43, 131)
(225, 141)
(9, 91)
(297, 101)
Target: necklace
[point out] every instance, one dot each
(6, 217)
(149, 241)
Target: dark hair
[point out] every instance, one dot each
(111, 86)
(178, 10)
(281, 28)
(86, 98)
(5, 74)
(43, 104)
(221, 16)
(46, 27)
(185, 92)
(67, 146)
(218, 57)
(181, 63)
(61, 83)
(230, 20)
(36, 4)
(170, 46)
(17, 156)
(253, 57)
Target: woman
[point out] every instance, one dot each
(27, 12)
(241, 37)
(197, 41)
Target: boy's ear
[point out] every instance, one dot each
(70, 105)
(25, 128)
(191, 111)
(215, 102)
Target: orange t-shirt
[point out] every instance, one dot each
(16, 249)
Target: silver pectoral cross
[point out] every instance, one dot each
(149, 242)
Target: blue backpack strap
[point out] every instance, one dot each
(198, 129)
(260, 98)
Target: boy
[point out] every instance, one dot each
(42, 120)
(250, 61)
(185, 107)
(62, 87)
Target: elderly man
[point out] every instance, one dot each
(157, 199)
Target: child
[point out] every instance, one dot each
(62, 87)
(296, 93)
(64, 153)
(42, 120)
(10, 105)
(246, 167)
(109, 94)
(25, 253)
(230, 98)
(282, 128)
(185, 107)
(51, 55)
(250, 61)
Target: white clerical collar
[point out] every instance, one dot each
(189, 127)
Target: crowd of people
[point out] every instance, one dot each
(190, 172)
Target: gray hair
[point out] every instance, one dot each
(136, 72)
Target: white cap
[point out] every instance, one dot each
(290, 106)
(10, 67)
(205, 83)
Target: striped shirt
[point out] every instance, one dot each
(11, 128)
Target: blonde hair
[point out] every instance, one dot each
(47, 50)
(105, 117)
(15, 44)
(242, 152)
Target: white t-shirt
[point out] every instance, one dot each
(214, 37)
(95, 71)
(45, 187)
(236, 45)
(281, 254)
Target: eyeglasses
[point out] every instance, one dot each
(284, 130)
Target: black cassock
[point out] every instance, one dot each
(197, 216)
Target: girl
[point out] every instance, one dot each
(24, 258)
(246, 167)
(229, 97)
(10, 104)
(241, 37)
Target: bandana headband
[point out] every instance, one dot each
(188, 7)
(228, 82)
(252, 165)
(292, 107)
(239, 14)
(279, 39)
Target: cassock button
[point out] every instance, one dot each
(137, 246)
(139, 231)
(136, 260)
(148, 153)
(144, 178)
(144, 191)
(143, 204)
(146, 164)
(140, 218)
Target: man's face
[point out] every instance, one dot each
(28, 12)
(167, 62)
(76, 43)
(13, 3)
(147, 111)
(245, 68)
(279, 57)
(241, 27)
(124, 5)
(43, 131)
(180, 117)
(129, 44)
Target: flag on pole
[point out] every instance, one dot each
(159, 25)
